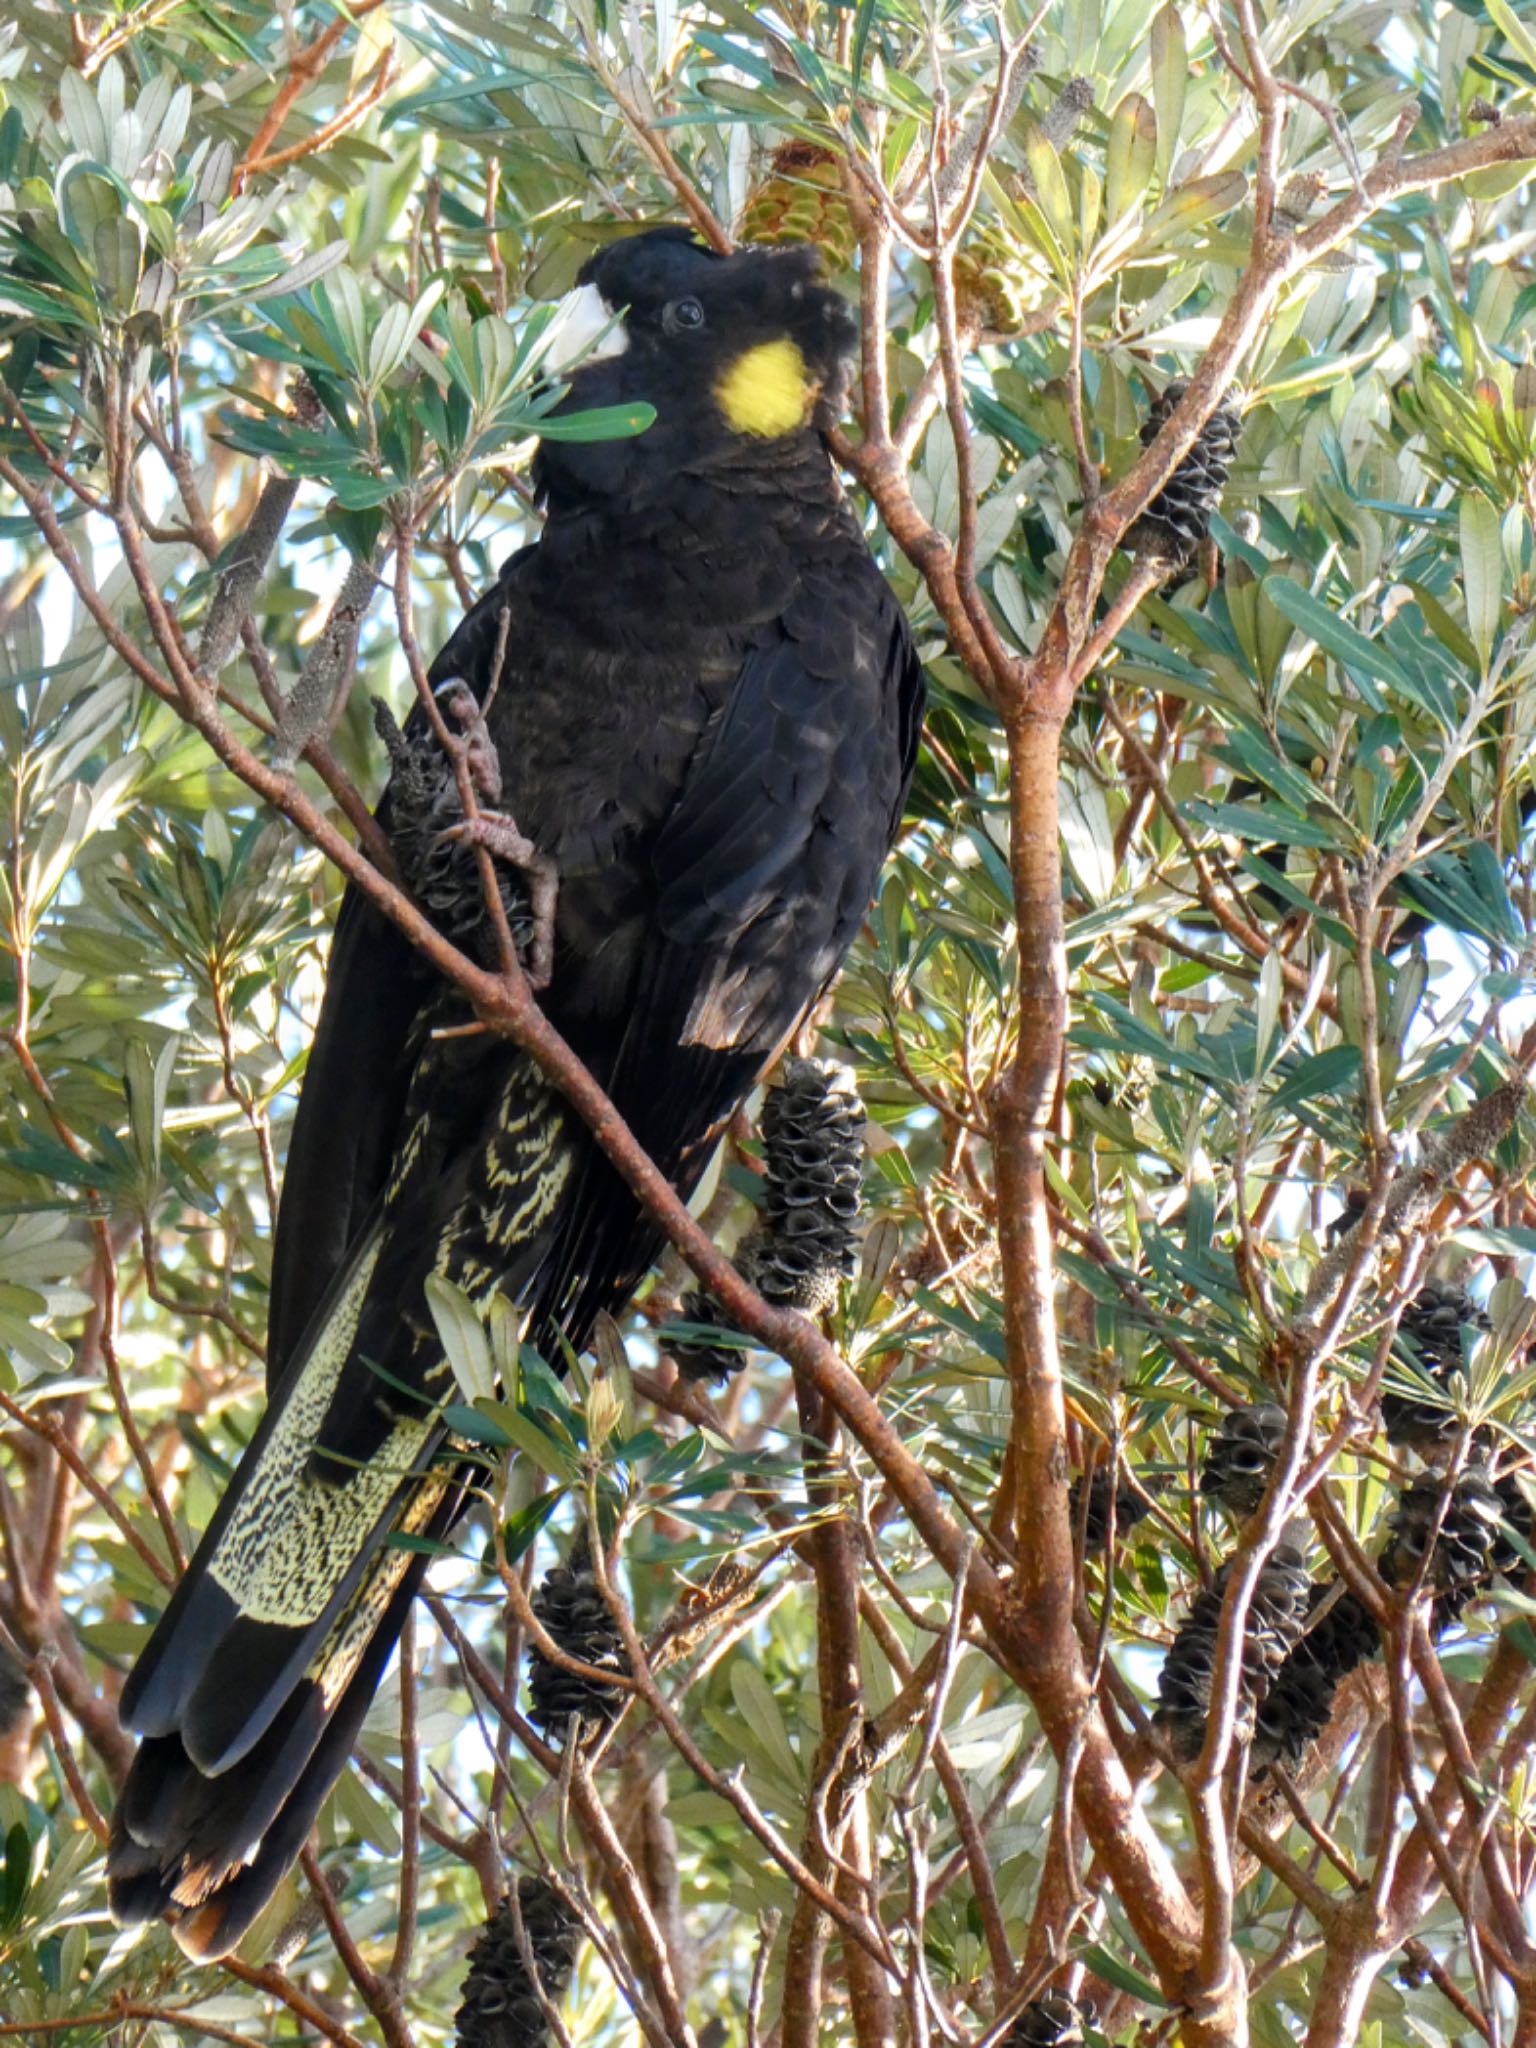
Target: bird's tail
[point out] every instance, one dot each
(251, 1690)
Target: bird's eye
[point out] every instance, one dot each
(682, 316)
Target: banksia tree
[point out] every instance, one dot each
(1190, 1016)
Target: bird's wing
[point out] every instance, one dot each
(761, 877)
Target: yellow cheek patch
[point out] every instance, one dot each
(767, 391)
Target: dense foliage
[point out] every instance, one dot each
(272, 292)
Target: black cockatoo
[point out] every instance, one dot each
(704, 724)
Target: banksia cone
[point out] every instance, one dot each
(801, 200)
(500, 2007)
(1241, 1455)
(1462, 1559)
(813, 1159)
(1051, 2021)
(1179, 517)
(15, 1691)
(1517, 1520)
(1107, 1487)
(806, 1238)
(992, 287)
(576, 1615)
(1275, 1617)
(1299, 1704)
(1433, 1321)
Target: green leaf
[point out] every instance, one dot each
(1482, 569)
(1107, 1965)
(601, 423)
(1320, 1073)
(1131, 156)
(1170, 75)
(463, 1337)
(1333, 634)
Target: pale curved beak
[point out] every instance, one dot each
(585, 329)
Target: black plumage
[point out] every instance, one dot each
(1051, 2021)
(705, 718)
(500, 2006)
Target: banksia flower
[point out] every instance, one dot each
(500, 2007)
(1179, 517)
(992, 286)
(1461, 1561)
(806, 1239)
(1241, 1455)
(1051, 2021)
(573, 1610)
(1105, 1487)
(1275, 1617)
(1434, 1321)
(1299, 1704)
(801, 200)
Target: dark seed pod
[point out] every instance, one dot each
(813, 1164)
(1107, 1489)
(1461, 1560)
(1433, 1323)
(1299, 1704)
(806, 1239)
(1051, 2021)
(15, 1692)
(572, 1608)
(1241, 1455)
(1179, 517)
(500, 2007)
(1517, 1520)
(1275, 1617)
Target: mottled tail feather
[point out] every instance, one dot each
(206, 1853)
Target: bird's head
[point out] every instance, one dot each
(754, 342)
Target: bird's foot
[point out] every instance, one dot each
(501, 838)
(460, 704)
